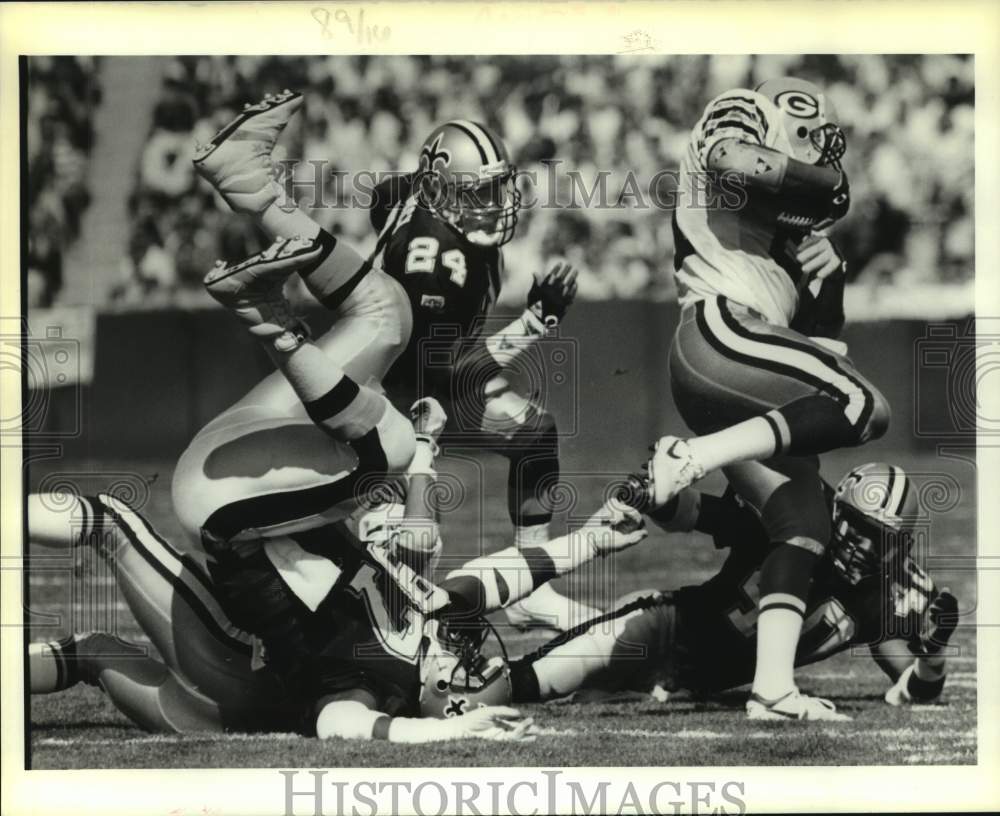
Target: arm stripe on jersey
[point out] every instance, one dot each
(731, 124)
(475, 140)
(177, 572)
(334, 401)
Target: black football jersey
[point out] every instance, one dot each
(365, 637)
(451, 284)
(718, 619)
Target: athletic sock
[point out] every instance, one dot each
(756, 438)
(53, 666)
(786, 575)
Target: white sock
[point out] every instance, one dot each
(42, 669)
(282, 221)
(778, 631)
(752, 439)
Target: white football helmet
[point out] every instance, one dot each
(808, 119)
(456, 676)
(874, 510)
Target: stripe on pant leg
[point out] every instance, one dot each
(783, 356)
(827, 361)
(172, 567)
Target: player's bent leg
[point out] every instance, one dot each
(527, 435)
(752, 391)
(142, 688)
(787, 494)
(169, 595)
(238, 163)
(628, 648)
(250, 474)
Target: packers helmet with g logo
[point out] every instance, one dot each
(874, 511)
(808, 119)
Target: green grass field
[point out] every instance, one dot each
(80, 728)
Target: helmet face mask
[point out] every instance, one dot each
(457, 676)
(809, 121)
(467, 180)
(874, 508)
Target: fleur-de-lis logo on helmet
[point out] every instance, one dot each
(432, 153)
(466, 179)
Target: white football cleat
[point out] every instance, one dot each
(237, 161)
(672, 467)
(794, 706)
(547, 609)
(254, 290)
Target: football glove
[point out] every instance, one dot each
(552, 296)
(613, 528)
(428, 418)
(943, 613)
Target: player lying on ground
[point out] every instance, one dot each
(757, 275)
(441, 233)
(866, 590)
(383, 654)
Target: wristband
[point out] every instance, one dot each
(413, 730)
(424, 455)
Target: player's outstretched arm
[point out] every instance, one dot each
(495, 581)
(550, 297)
(918, 669)
(351, 719)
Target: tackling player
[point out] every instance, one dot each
(441, 233)
(756, 276)
(867, 590)
(369, 648)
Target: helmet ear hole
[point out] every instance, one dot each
(802, 131)
(442, 685)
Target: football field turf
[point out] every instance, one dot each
(80, 728)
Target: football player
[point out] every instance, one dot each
(754, 368)
(304, 447)
(441, 233)
(367, 648)
(867, 590)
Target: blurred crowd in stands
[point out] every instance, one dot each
(63, 93)
(909, 123)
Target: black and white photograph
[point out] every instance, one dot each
(401, 410)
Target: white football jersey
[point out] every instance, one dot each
(728, 250)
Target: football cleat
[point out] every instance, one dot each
(254, 290)
(237, 161)
(672, 467)
(547, 609)
(794, 706)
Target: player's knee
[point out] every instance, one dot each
(878, 420)
(797, 512)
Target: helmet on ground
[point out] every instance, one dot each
(467, 180)
(457, 676)
(808, 119)
(874, 510)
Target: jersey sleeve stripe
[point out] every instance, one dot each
(725, 125)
